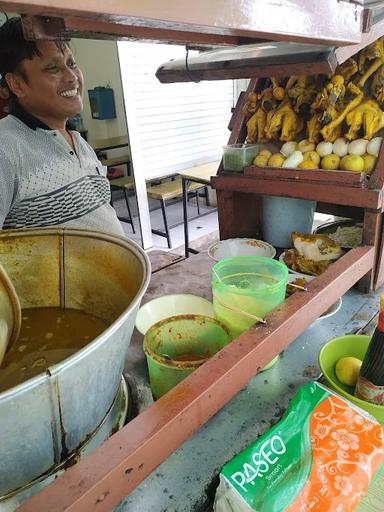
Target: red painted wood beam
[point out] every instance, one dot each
(317, 191)
(328, 22)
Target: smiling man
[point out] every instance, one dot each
(49, 175)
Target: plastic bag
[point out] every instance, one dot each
(320, 457)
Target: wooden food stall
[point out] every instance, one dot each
(112, 471)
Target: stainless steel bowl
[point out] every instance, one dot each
(45, 419)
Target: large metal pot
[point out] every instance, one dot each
(45, 419)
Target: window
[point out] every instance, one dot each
(171, 126)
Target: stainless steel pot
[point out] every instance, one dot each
(46, 418)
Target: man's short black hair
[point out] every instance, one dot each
(14, 48)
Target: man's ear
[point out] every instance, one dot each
(16, 84)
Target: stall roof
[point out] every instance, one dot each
(270, 58)
(217, 22)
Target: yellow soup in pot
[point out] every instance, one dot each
(47, 336)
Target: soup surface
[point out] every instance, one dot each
(47, 336)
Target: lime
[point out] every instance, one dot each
(330, 162)
(352, 163)
(347, 370)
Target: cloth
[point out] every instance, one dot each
(43, 182)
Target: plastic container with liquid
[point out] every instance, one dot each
(253, 284)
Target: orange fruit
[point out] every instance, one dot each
(307, 164)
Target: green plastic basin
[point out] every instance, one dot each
(176, 346)
(351, 345)
(253, 284)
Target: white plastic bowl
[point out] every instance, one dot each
(240, 247)
(171, 305)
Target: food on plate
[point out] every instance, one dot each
(292, 287)
(316, 247)
(312, 254)
(298, 263)
(347, 370)
(348, 236)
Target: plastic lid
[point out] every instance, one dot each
(10, 313)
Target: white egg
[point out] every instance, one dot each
(373, 146)
(357, 147)
(288, 148)
(340, 147)
(324, 148)
(293, 160)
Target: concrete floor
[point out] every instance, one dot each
(205, 225)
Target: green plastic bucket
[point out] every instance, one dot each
(351, 345)
(253, 284)
(176, 346)
(250, 284)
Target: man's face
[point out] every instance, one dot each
(53, 85)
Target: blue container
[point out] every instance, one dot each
(102, 103)
(282, 215)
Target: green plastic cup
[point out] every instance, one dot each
(176, 346)
(249, 284)
(253, 284)
(352, 345)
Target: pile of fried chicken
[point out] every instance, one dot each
(311, 254)
(322, 107)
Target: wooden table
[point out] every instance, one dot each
(116, 468)
(109, 143)
(199, 174)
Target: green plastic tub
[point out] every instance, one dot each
(253, 284)
(176, 346)
(353, 345)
